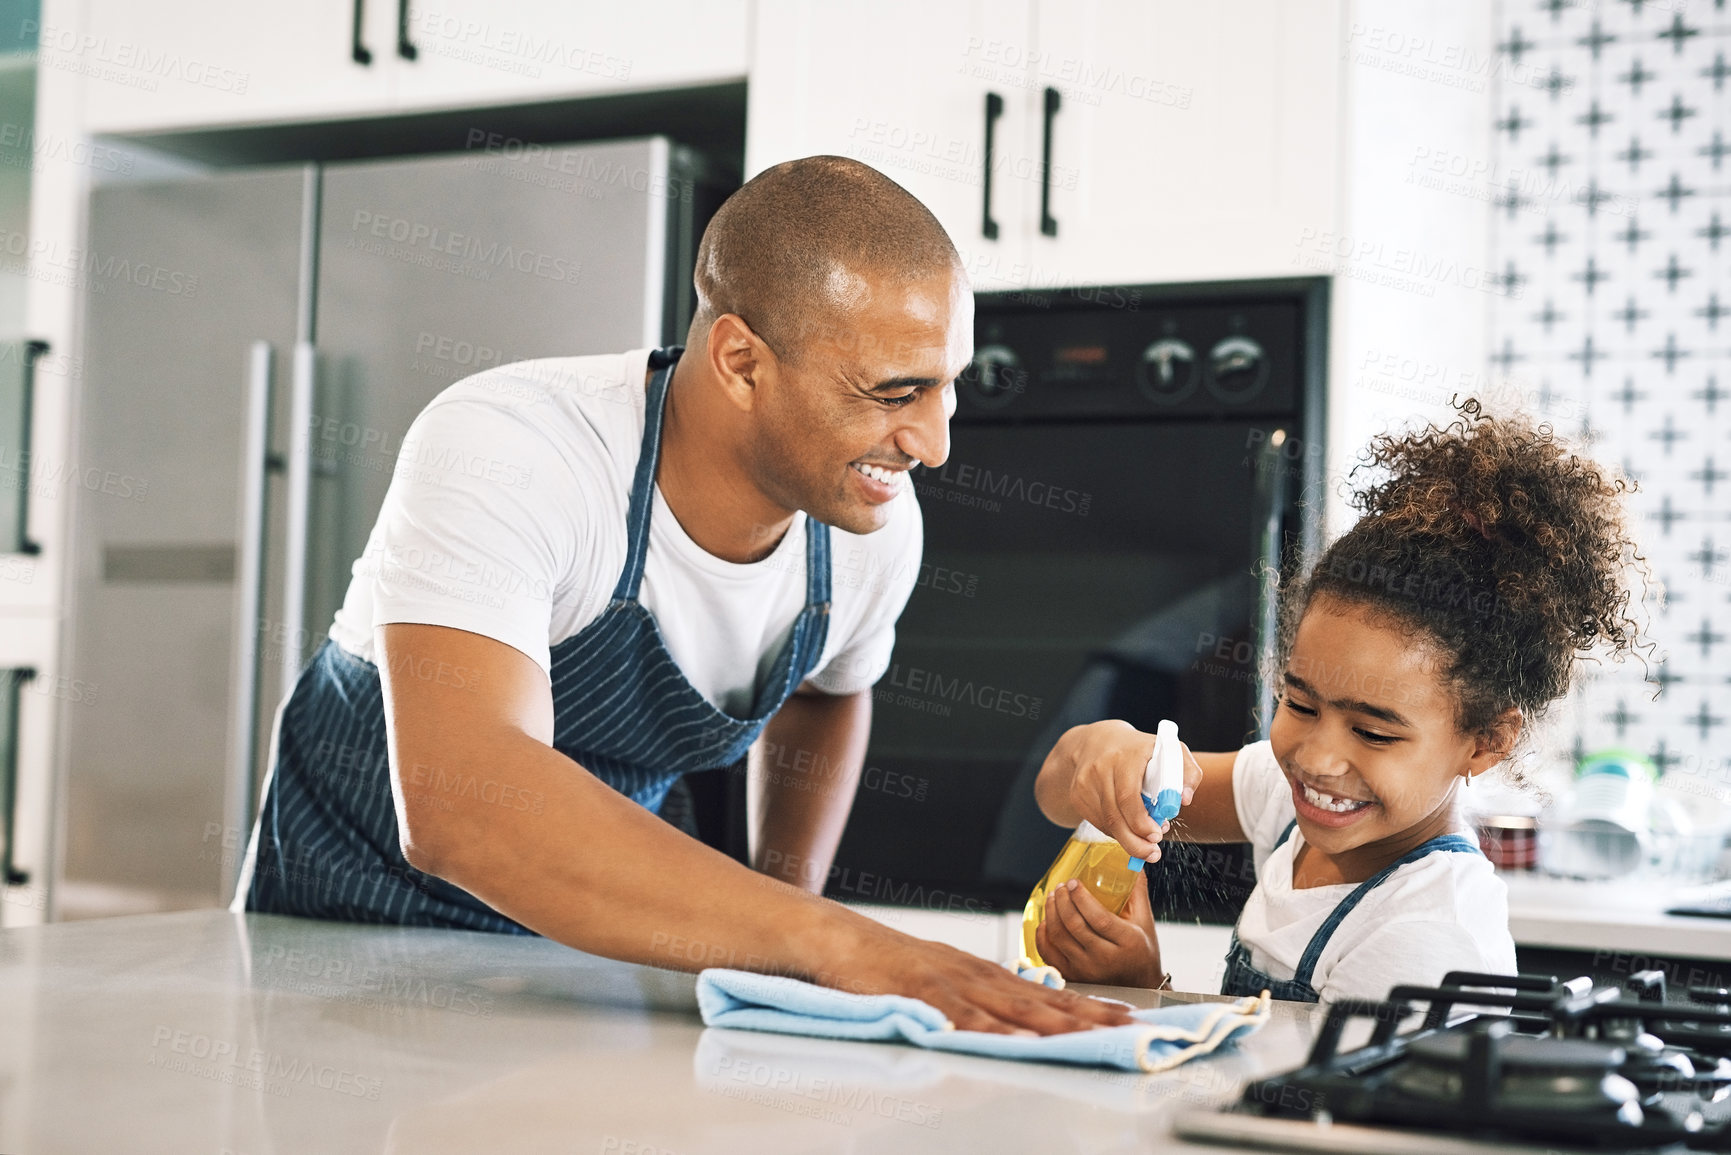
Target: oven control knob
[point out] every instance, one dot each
(1237, 369)
(994, 377)
(1167, 372)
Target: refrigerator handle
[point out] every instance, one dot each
(10, 875)
(25, 543)
(405, 47)
(359, 52)
(1270, 557)
(249, 596)
(297, 510)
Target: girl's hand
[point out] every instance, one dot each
(1090, 944)
(1106, 761)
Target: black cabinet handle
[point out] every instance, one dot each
(405, 47)
(14, 680)
(359, 52)
(1048, 223)
(25, 543)
(994, 109)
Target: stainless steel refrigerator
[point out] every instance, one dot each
(256, 344)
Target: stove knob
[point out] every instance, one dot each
(1237, 370)
(995, 376)
(1167, 371)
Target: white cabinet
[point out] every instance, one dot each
(174, 64)
(1186, 141)
(492, 51)
(1192, 141)
(153, 64)
(903, 85)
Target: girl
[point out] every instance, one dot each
(1488, 558)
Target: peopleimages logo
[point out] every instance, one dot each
(983, 695)
(968, 480)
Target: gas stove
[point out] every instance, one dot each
(1504, 1059)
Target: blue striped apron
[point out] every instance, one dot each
(1242, 978)
(326, 845)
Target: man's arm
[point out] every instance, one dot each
(804, 774)
(548, 844)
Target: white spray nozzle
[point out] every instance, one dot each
(1163, 780)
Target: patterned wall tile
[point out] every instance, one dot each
(1614, 148)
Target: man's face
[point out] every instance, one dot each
(867, 395)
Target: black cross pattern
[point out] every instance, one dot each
(1718, 72)
(1654, 205)
(1628, 395)
(1704, 719)
(1632, 234)
(1515, 46)
(1634, 154)
(1714, 232)
(1674, 192)
(1637, 76)
(1591, 275)
(1709, 475)
(1677, 112)
(1594, 117)
(1513, 123)
(1620, 718)
(1715, 151)
(1670, 354)
(1631, 315)
(1678, 34)
(1672, 273)
(1711, 396)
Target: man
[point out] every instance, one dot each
(593, 575)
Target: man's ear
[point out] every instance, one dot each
(1497, 741)
(738, 359)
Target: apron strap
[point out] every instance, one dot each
(1455, 843)
(643, 483)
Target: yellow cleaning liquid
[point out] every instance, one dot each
(1095, 860)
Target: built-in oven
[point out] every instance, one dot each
(1131, 471)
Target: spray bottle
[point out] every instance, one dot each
(1094, 859)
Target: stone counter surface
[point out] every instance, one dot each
(210, 1033)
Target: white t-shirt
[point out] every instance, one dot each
(506, 517)
(1443, 913)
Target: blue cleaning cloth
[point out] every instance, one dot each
(1159, 1040)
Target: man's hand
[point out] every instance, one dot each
(974, 994)
(1090, 944)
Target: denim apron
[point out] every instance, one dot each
(1243, 979)
(326, 844)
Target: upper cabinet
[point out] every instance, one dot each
(158, 64)
(1134, 140)
(493, 51)
(935, 93)
(177, 64)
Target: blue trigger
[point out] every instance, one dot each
(1161, 811)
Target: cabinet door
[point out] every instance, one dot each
(490, 51)
(1191, 140)
(150, 64)
(855, 79)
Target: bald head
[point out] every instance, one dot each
(794, 249)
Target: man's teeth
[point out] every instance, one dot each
(877, 473)
(1329, 802)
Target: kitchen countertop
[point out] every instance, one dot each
(234, 1034)
(1616, 915)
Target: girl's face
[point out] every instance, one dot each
(1366, 733)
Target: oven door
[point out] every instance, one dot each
(1073, 571)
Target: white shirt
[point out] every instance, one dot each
(1444, 912)
(506, 517)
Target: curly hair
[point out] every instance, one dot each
(1494, 542)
